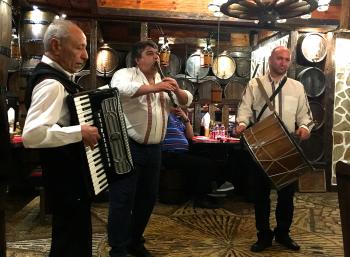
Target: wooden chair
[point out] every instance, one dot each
(343, 181)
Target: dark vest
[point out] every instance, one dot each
(64, 167)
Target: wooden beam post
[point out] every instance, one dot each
(93, 53)
(144, 31)
(344, 15)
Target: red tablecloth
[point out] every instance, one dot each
(202, 139)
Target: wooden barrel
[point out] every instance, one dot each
(194, 68)
(17, 84)
(85, 81)
(129, 62)
(318, 114)
(312, 47)
(210, 91)
(224, 66)
(234, 90)
(33, 28)
(107, 60)
(5, 39)
(185, 83)
(313, 147)
(243, 67)
(174, 66)
(313, 80)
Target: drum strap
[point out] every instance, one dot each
(267, 99)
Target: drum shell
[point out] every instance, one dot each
(224, 67)
(276, 152)
(312, 48)
(5, 38)
(194, 68)
(313, 80)
(234, 90)
(210, 91)
(107, 61)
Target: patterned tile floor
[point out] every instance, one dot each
(184, 231)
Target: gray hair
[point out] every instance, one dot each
(138, 48)
(58, 29)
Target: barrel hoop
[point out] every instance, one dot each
(5, 51)
(42, 22)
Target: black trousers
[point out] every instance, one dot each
(262, 202)
(132, 198)
(69, 201)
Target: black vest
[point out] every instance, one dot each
(64, 167)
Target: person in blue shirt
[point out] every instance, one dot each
(176, 155)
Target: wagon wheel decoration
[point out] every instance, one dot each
(268, 11)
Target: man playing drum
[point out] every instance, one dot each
(292, 106)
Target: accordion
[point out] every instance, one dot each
(102, 109)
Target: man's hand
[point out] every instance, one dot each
(90, 135)
(179, 112)
(168, 84)
(302, 133)
(239, 129)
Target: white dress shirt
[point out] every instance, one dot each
(291, 104)
(47, 122)
(146, 116)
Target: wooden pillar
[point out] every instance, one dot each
(2, 221)
(197, 119)
(144, 31)
(344, 15)
(293, 41)
(225, 115)
(93, 53)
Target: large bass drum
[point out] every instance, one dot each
(276, 151)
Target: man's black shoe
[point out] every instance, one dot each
(287, 242)
(260, 245)
(139, 251)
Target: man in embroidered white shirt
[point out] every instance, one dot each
(146, 105)
(292, 106)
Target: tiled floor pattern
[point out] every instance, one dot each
(184, 231)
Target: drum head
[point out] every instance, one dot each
(224, 67)
(318, 114)
(194, 69)
(313, 80)
(185, 83)
(174, 66)
(234, 91)
(313, 47)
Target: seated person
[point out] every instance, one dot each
(175, 154)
